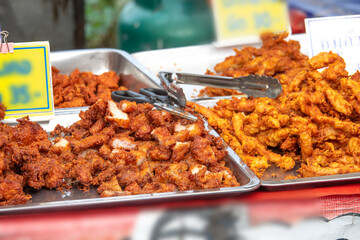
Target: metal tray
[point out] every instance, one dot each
(99, 60)
(52, 200)
(274, 182)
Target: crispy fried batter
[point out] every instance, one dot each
(83, 88)
(126, 148)
(2, 111)
(27, 158)
(275, 57)
(11, 190)
(315, 120)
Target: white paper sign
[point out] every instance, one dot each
(340, 35)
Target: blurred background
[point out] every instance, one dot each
(140, 25)
(134, 25)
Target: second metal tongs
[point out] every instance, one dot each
(251, 85)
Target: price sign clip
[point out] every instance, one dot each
(5, 46)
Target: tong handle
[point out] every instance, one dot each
(219, 81)
(118, 96)
(251, 85)
(156, 94)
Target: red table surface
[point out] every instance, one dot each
(118, 222)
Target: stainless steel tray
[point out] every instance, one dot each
(99, 60)
(52, 200)
(272, 177)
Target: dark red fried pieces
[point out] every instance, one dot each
(2, 111)
(120, 148)
(147, 151)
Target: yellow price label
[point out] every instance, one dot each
(25, 81)
(236, 19)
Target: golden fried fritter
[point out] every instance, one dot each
(315, 120)
(276, 56)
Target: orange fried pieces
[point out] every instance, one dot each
(314, 121)
(2, 111)
(83, 88)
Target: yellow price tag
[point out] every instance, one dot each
(25, 81)
(239, 21)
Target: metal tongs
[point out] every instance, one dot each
(251, 85)
(157, 97)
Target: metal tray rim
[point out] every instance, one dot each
(339, 178)
(120, 200)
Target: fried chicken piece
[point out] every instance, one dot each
(123, 141)
(141, 127)
(11, 190)
(193, 129)
(160, 118)
(206, 179)
(354, 86)
(2, 111)
(202, 151)
(273, 137)
(97, 126)
(90, 168)
(133, 189)
(116, 116)
(110, 188)
(276, 56)
(353, 146)
(253, 145)
(334, 63)
(89, 142)
(174, 173)
(44, 172)
(179, 150)
(337, 101)
(3, 162)
(31, 134)
(128, 175)
(163, 136)
(159, 153)
(226, 177)
(237, 104)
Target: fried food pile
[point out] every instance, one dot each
(276, 56)
(26, 159)
(315, 121)
(120, 148)
(83, 88)
(2, 111)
